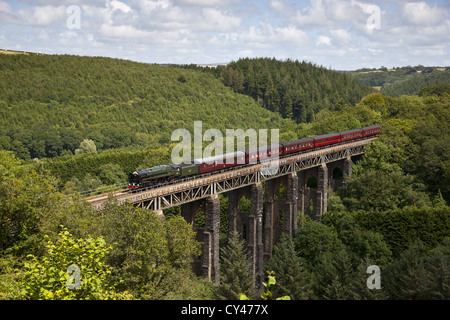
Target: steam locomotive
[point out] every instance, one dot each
(162, 174)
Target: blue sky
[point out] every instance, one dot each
(338, 34)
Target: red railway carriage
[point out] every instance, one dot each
(372, 130)
(326, 139)
(297, 145)
(256, 155)
(351, 134)
(251, 156)
(268, 152)
(167, 173)
(220, 161)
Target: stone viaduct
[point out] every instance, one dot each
(299, 186)
(274, 208)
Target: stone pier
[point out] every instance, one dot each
(249, 225)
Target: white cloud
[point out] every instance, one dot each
(330, 32)
(421, 13)
(313, 15)
(147, 6)
(5, 7)
(123, 32)
(278, 5)
(200, 3)
(341, 35)
(118, 5)
(323, 40)
(37, 16)
(215, 20)
(290, 34)
(267, 35)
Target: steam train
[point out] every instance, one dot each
(162, 174)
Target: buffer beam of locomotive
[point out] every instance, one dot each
(171, 185)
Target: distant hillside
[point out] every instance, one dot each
(403, 81)
(297, 90)
(50, 103)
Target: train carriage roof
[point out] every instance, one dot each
(288, 143)
(372, 127)
(351, 131)
(329, 135)
(218, 157)
(271, 147)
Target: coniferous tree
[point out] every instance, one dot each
(359, 287)
(406, 278)
(287, 86)
(235, 276)
(334, 275)
(438, 265)
(292, 279)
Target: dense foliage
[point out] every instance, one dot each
(50, 104)
(410, 157)
(330, 261)
(404, 80)
(123, 252)
(97, 119)
(296, 90)
(235, 277)
(52, 278)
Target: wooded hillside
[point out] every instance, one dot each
(297, 90)
(118, 115)
(50, 103)
(402, 80)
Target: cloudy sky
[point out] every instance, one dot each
(337, 34)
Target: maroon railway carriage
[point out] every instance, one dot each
(351, 134)
(153, 176)
(297, 145)
(326, 139)
(221, 161)
(372, 130)
(256, 155)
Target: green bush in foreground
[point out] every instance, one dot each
(72, 269)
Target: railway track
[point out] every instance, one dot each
(181, 186)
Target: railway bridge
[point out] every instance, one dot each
(306, 177)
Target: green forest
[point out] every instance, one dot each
(400, 81)
(49, 104)
(294, 89)
(70, 124)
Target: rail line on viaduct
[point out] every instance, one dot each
(280, 215)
